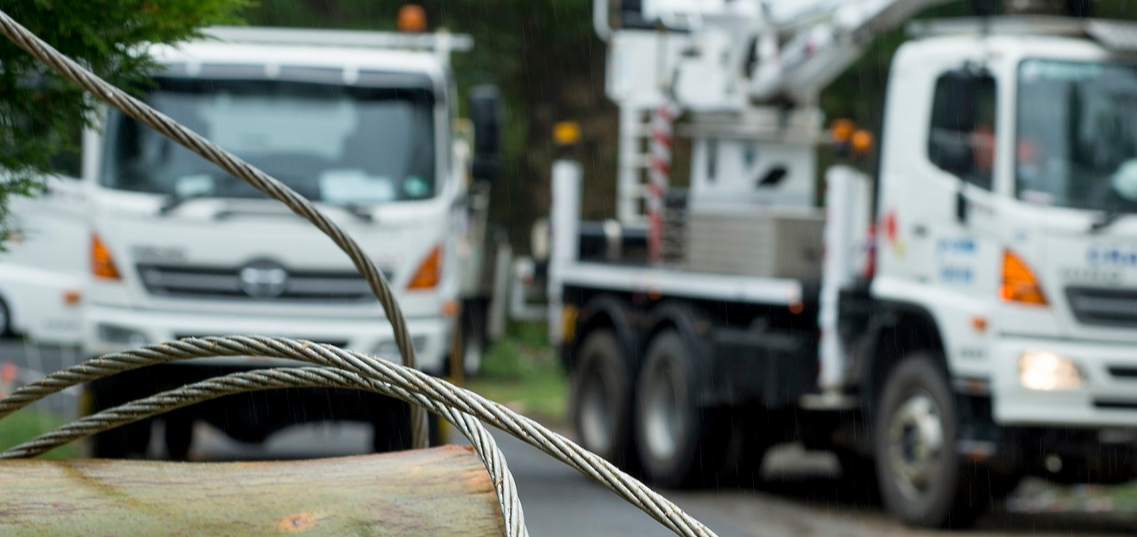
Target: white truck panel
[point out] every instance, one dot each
(675, 283)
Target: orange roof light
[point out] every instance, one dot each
(861, 142)
(102, 265)
(1019, 283)
(412, 19)
(841, 130)
(429, 272)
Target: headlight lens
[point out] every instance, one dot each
(1046, 371)
(118, 335)
(390, 351)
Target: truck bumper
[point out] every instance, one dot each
(111, 329)
(1106, 399)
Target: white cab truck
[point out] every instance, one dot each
(986, 331)
(165, 245)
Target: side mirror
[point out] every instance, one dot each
(950, 152)
(486, 115)
(959, 91)
(955, 117)
(961, 206)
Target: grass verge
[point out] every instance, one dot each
(28, 424)
(521, 371)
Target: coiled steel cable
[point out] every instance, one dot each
(291, 377)
(411, 381)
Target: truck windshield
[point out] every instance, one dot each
(336, 144)
(1077, 135)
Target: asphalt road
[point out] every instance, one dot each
(803, 494)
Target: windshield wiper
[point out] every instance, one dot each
(173, 201)
(362, 212)
(1106, 219)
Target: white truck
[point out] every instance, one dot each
(983, 333)
(165, 245)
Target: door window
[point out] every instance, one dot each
(961, 139)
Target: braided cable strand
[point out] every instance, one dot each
(290, 377)
(416, 385)
(142, 112)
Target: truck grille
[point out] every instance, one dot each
(226, 283)
(1108, 307)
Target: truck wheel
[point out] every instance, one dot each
(676, 440)
(601, 398)
(179, 437)
(132, 439)
(1002, 485)
(392, 430)
(858, 473)
(923, 482)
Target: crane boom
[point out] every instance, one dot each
(737, 53)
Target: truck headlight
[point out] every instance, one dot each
(118, 335)
(389, 350)
(1046, 371)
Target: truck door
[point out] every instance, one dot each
(955, 237)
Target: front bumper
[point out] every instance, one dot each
(1106, 399)
(111, 329)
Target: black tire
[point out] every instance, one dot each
(859, 476)
(679, 444)
(923, 482)
(1001, 486)
(178, 436)
(392, 430)
(739, 462)
(601, 399)
(125, 441)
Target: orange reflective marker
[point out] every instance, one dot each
(429, 273)
(1019, 282)
(412, 19)
(102, 264)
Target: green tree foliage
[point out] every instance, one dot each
(40, 113)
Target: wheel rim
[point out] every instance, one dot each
(916, 445)
(595, 416)
(662, 421)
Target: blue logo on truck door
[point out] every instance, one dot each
(956, 255)
(956, 245)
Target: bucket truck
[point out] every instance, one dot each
(959, 319)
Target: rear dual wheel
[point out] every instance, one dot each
(679, 442)
(601, 398)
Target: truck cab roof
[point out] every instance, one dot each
(1115, 36)
(273, 49)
